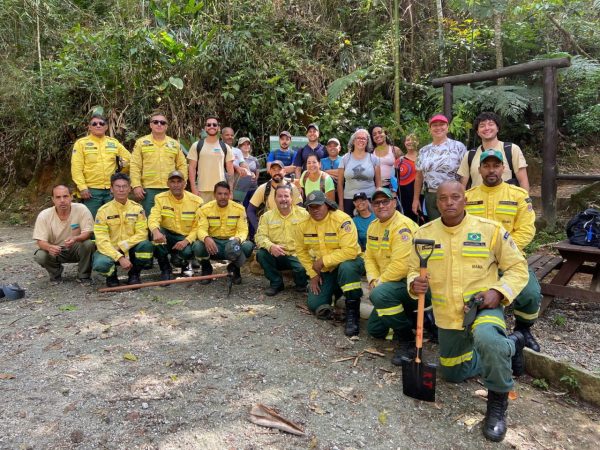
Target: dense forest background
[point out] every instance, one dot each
(264, 66)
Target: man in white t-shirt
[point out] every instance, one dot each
(62, 234)
(487, 126)
(211, 163)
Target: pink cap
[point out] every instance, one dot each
(438, 118)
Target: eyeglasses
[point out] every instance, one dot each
(120, 187)
(361, 138)
(159, 122)
(212, 125)
(383, 202)
(97, 124)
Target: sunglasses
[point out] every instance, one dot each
(212, 125)
(97, 124)
(384, 202)
(159, 122)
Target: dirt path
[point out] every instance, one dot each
(180, 367)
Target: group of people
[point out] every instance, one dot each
(334, 222)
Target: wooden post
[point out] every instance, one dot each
(448, 101)
(549, 148)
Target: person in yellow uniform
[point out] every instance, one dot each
(154, 157)
(93, 161)
(173, 223)
(222, 233)
(468, 254)
(389, 242)
(276, 244)
(327, 246)
(121, 231)
(510, 205)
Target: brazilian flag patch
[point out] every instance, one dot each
(474, 237)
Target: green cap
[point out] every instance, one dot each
(384, 191)
(491, 153)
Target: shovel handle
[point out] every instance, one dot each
(423, 257)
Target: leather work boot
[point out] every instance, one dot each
(112, 280)
(530, 340)
(518, 364)
(407, 346)
(352, 317)
(235, 270)
(133, 277)
(494, 424)
(271, 291)
(166, 271)
(206, 270)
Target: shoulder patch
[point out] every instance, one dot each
(528, 200)
(347, 226)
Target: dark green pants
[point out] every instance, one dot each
(99, 198)
(431, 205)
(140, 256)
(179, 258)
(80, 252)
(345, 279)
(394, 309)
(527, 303)
(273, 265)
(223, 247)
(148, 201)
(486, 352)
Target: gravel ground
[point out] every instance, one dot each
(180, 367)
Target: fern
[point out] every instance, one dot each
(337, 87)
(510, 101)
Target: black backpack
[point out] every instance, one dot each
(584, 228)
(200, 144)
(509, 162)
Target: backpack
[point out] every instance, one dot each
(508, 152)
(584, 228)
(200, 144)
(263, 206)
(322, 180)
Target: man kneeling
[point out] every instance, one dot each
(121, 235)
(222, 233)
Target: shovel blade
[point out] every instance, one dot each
(418, 380)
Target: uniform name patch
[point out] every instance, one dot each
(475, 202)
(474, 244)
(507, 202)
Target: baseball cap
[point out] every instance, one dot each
(278, 163)
(438, 118)
(312, 125)
(243, 140)
(359, 196)
(285, 133)
(333, 140)
(491, 153)
(319, 198)
(384, 191)
(176, 174)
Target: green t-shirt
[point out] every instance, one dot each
(310, 186)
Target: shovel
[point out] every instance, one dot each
(418, 378)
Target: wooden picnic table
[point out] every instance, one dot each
(572, 260)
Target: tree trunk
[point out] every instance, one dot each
(396, 40)
(440, 30)
(498, 43)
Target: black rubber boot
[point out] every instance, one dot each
(518, 364)
(530, 340)
(406, 346)
(430, 326)
(235, 270)
(133, 277)
(352, 317)
(206, 270)
(494, 424)
(112, 280)
(166, 271)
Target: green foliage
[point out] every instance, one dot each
(570, 380)
(541, 384)
(559, 320)
(545, 237)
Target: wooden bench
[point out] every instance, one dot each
(572, 260)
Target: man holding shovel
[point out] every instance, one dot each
(468, 253)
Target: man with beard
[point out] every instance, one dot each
(173, 223)
(468, 255)
(276, 244)
(314, 147)
(327, 246)
(264, 196)
(511, 206)
(284, 153)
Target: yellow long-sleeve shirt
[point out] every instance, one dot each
(94, 161)
(152, 162)
(119, 227)
(177, 216)
(466, 260)
(222, 223)
(274, 228)
(510, 205)
(388, 248)
(335, 239)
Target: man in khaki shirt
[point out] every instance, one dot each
(62, 234)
